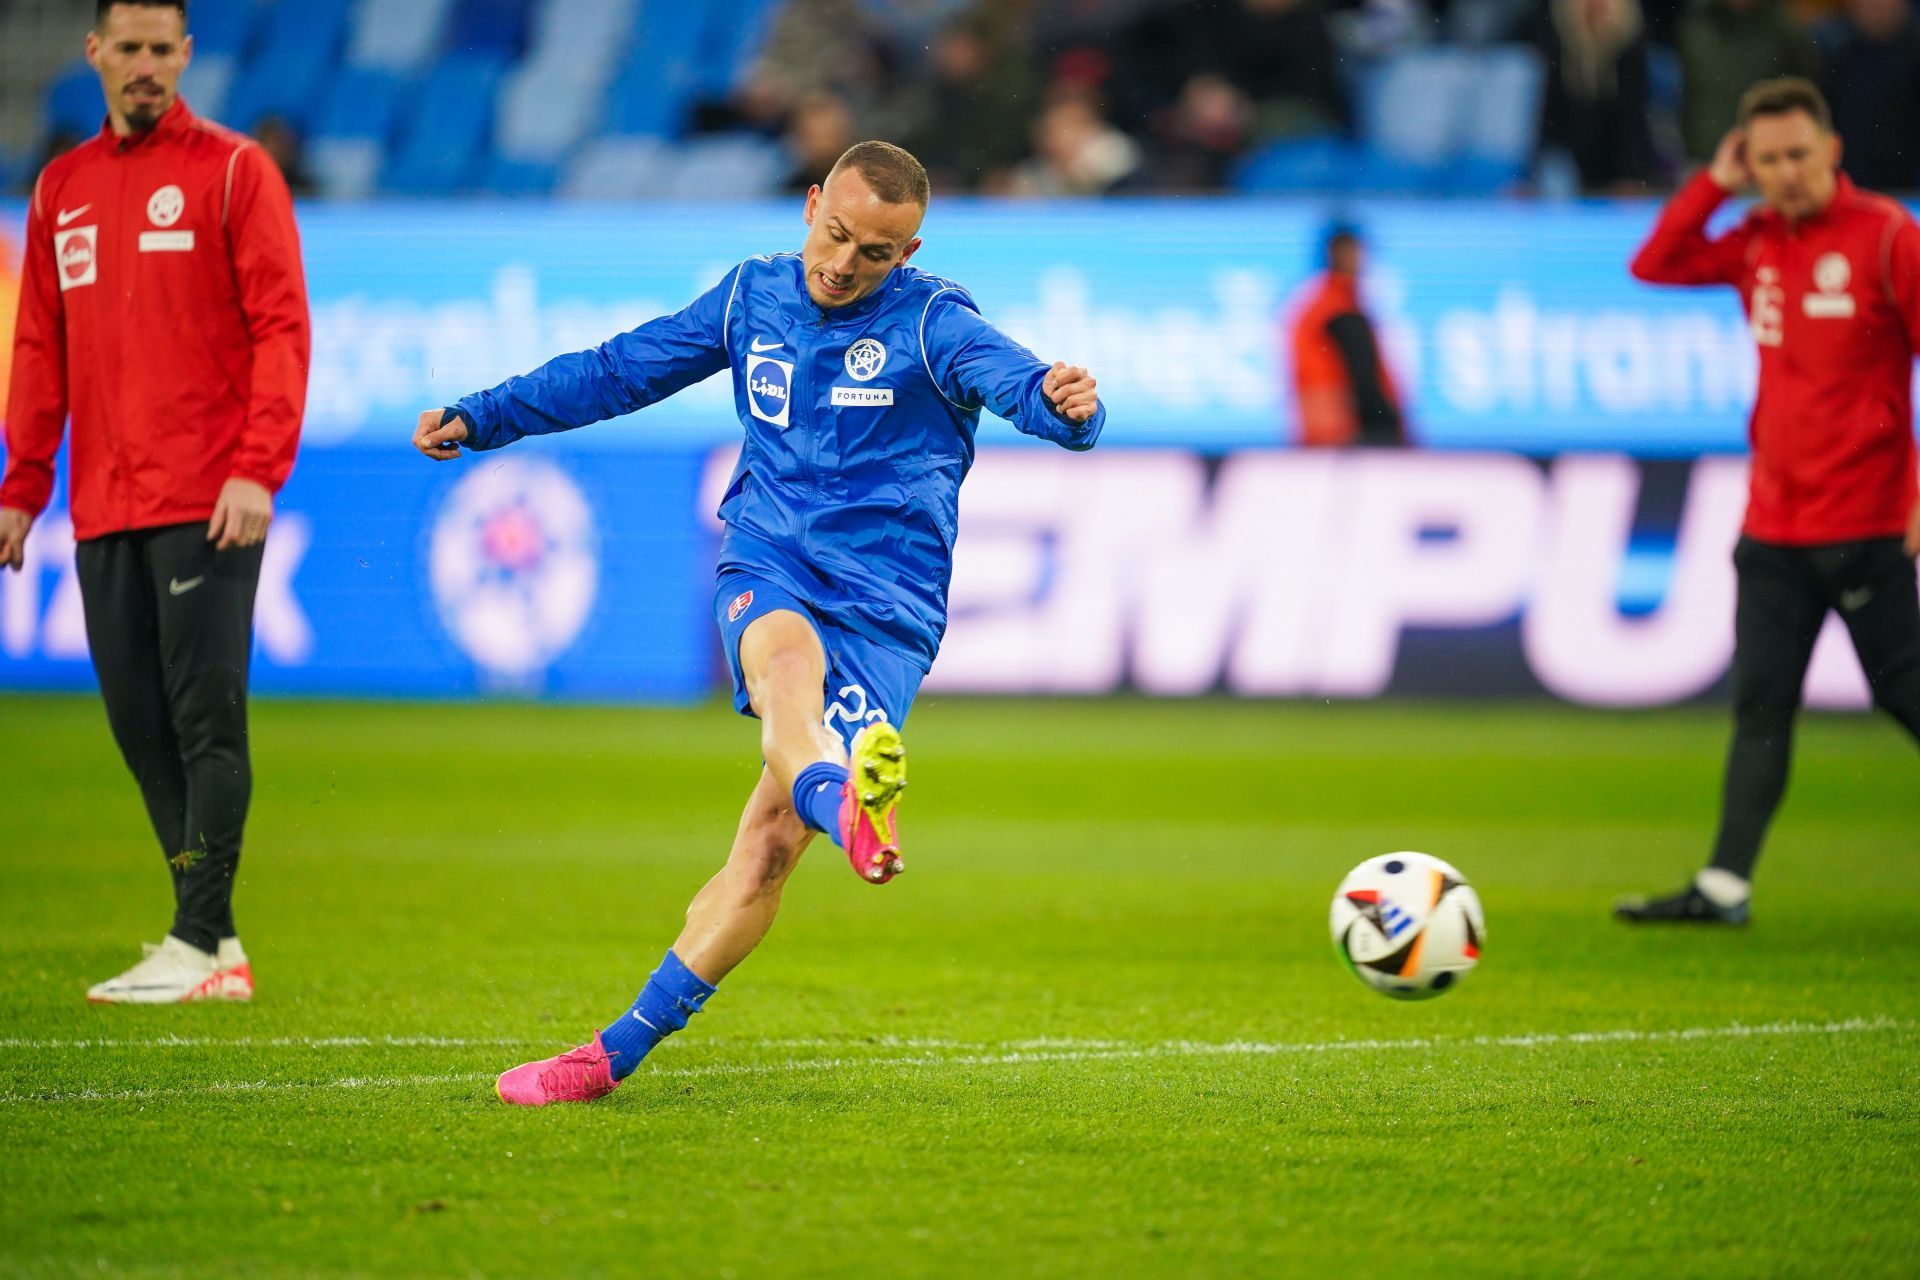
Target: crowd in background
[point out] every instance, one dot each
(1081, 97)
(1092, 97)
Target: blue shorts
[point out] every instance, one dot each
(865, 681)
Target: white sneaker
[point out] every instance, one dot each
(231, 967)
(172, 973)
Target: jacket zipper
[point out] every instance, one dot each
(809, 450)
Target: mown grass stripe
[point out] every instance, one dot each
(1014, 1056)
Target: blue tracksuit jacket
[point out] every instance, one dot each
(859, 429)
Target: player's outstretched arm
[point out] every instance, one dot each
(975, 364)
(626, 373)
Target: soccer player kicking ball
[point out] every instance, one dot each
(859, 380)
(1831, 279)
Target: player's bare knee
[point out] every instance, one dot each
(784, 670)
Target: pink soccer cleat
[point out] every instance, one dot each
(876, 776)
(578, 1075)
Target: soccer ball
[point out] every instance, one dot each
(1408, 925)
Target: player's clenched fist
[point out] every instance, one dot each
(1071, 389)
(438, 433)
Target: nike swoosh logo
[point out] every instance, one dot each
(1851, 600)
(179, 588)
(771, 346)
(65, 216)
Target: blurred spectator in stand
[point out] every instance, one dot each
(1870, 71)
(1281, 55)
(916, 24)
(973, 107)
(1343, 393)
(1197, 139)
(818, 133)
(1727, 46)
(841, 46)
(1596, 99)
(1075, 153)
(1203, 83)
(1663, 18)
(1811, 13)
(282, 144)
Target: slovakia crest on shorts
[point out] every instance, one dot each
(741, 603)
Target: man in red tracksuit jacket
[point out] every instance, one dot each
(162, 306)
(1831, 279)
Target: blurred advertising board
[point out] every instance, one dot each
(524, 573)
(587, 574)
(1565, 531)
(1510, 326)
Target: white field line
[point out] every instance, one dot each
(507, 1042)
(1008, 1055)
(270, 1042)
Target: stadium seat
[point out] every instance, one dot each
(1380, 173)
(1412, 106)
(287, 76)
(1299, 165)
(445, 137)
(1439, 120)
(725, 44)
(224, 28)
(555, 97)
(731, 167)
(1663, 79)
(505, 176)
(544, 110)
(619, 169)
(646, 101)
(587, 36)
(361, 102)
(207, 83)
(1502, 119)
(399, 35)
(346, 168)
(356, 123)
(661, 73)
(73, 101)
(479, 27)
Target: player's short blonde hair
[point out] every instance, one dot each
(895, 176)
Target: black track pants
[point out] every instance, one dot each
(170, 625)
(1784, 596)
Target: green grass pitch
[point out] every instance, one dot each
(1096, 1030)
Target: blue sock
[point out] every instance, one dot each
(816, 797)
(672, 995)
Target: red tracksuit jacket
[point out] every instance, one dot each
(162, 304)
(1834, 304)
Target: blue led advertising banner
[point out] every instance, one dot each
(1563, 530)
